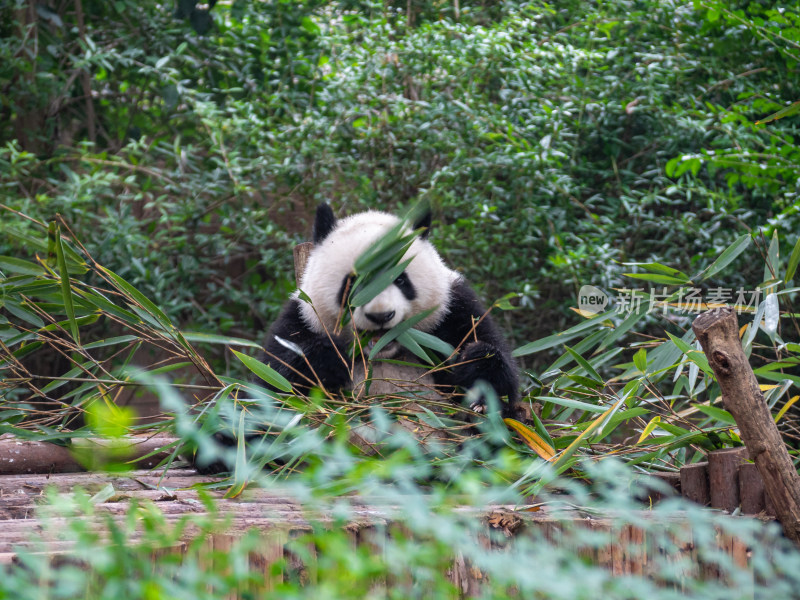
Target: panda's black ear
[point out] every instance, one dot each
(424, 223)
(324, 223)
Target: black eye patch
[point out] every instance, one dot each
(404, 284)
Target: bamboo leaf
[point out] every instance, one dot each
(570, 403)
(771, 315)
(408, 342)
(655, 267)
(560, 464)
(624, 327)
(640, 360)
(265, 372)
(794, 260)
(694, 355)
(564, 336)
(240, 467)
(17, 265)
(21, 312)
(397, 331)
(585, 365)
(586, 381)
(362, 293)
(771, 267)
(649, 428)
(785, 407)
(727, 257)
(431, 341)
(657, 278)
(209, 338)
(66, 288)
(123, 339)
(532, 439)
(721, 415)
(102, 303)
(136, 298)
(787, 111)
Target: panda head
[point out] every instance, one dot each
(425, 284)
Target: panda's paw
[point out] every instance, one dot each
(483, 363)
(479, 406)
(474, 362)
(213, 467)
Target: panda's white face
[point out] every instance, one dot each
(425, 283)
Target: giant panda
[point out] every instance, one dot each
(307, 345)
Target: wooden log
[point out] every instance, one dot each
(19, 456)
(24, 456)
(723, 477)
(694, 483)
(751, 489)
(718, 333)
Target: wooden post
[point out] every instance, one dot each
(723, 477)
(751, 489)
(694, 483)
(301, 253)
(718, 333)
(671, 479)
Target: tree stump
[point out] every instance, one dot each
(694, 483)
(718, 333)
(751, 489)
(723, 477)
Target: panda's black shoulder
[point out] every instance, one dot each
(291, 327)
(464, 308)
(289, 321)
(320, 356)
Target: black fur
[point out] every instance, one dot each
(324, 222)
(424, 223)
(345, 289)
(483, 354)
(327, 355)
(406, 287)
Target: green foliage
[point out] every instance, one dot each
(555, 141)
(417, 537)
(667, 393)
(307, 444)
(623, 144)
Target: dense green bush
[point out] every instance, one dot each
(555, 140)
(184, 147)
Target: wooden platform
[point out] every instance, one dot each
(278, 517)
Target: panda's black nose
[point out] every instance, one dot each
(381, 317)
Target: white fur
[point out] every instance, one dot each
(333, 259)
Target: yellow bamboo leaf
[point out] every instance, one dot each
(584, 313)
(767, 386)
(532, 439)
(649, 429)
(567, 452)
(785, 407)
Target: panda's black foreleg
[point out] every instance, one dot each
(482, 361)
(483, 353)
(324, 363)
